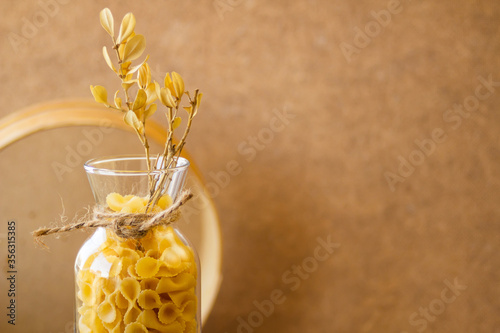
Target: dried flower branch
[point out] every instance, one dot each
(128, 47)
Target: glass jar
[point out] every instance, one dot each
(146, 284)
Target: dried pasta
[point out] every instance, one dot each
(149, 299)
(149, 319)
(137, 286)
(106, 312)
(147, 267)
(150, 283)
(183, 281)
(168, 313)
(136, 328)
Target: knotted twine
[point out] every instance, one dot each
(125, 225)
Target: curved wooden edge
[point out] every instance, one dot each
(69, 113)
(40, 108)
(213, 258)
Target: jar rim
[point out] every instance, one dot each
(94, 166)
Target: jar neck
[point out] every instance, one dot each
(128, 175)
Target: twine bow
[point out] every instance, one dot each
(125, 225)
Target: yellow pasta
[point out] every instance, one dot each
(180, 282)
(125, 263)
(90, 260)
(147, 267)
(126, 204)
(130, 289)
(167, 238)
(120, 301)
(106, 286)
(86, 293)
(193, 268)
(181, 322)
(132, 313)
(116, 267)
(149, 299)
(149, 283)
(137, 286)
(82, 309)
(91, 321)
(168, 312)
(170, 258)
(106, 312)
(117, 329)
(85, 322)
(152, 253)
(180, 298)
(165, 271)
(189, 310)
(190, 327)
(150, 241)
(132, 272)
(133, 255)
(116, 324)
(136, 328)
(109, 252)
(98, 327)
(83, 328)
(85, 276)
(183, 252)
(164, 243)
(134, 204)
(149, 319)
(164, 202)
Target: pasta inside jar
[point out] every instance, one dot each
(137, 285)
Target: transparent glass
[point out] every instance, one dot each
(150, 284)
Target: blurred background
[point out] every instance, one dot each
(351, 149)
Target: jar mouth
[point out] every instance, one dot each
(130, 165)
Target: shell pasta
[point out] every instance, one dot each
(136, 286)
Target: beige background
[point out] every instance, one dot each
(321, 176)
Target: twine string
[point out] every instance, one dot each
(125, 225)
